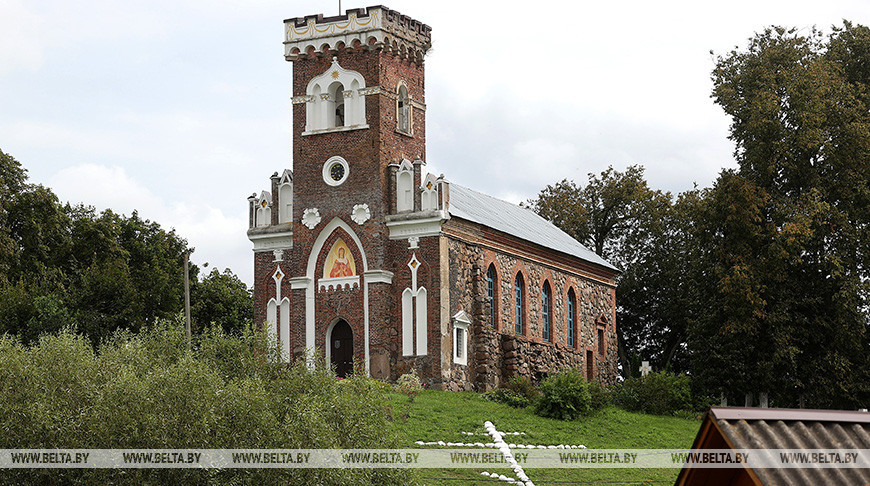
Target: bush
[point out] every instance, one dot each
(518, 392)
(522, 386)
(507, 397)
(564, 396)
(661, 393)
(409, 384)
(153, 391)
(600, 395)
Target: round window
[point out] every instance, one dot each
(335, 171)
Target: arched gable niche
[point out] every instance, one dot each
(327, 241)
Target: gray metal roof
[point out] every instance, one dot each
(514, 220)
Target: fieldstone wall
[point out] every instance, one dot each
(497, 351)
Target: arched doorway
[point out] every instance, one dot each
(341, 348)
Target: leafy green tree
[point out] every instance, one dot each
(69, 265)
(790, 229)
(643, 232)
(12, 180)
(221, 299)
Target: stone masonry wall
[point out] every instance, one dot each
(497, 352)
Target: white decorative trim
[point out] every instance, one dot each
(420, 321)
(327, 168)
(298, 283)
(407, 322)
(298, 100)
(277, 277)
(272, 241)
(378, 276)
(414, 264)
(322, 113)
(272, 320)
(461, 322)
(376, 29)
(405, 187)
(405, 228)
(413, 242)
(311, 218)
(414, 314)
(374, 90)
(279, 255)
(333, 129)
(360, 213)
(284, 328)
(310, 294)
(338, 283)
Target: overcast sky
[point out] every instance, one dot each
(181, 109)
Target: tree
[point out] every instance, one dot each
(602, 214)
(221, 299)
(790, 229)
(639, 230)
(12, 180)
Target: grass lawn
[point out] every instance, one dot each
(436, 415)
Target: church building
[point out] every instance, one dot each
(363, 258)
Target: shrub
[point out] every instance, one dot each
(522, 386)
(660, 393)
(518, 392)
(600, 395)
(152, 390)
(507, 397)
(564, 396)
(409, 384)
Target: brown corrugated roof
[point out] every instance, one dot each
(769, 428)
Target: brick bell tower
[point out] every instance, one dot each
(323, 256)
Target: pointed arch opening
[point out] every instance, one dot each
(571, 319)
(546, 313)
(340, 344)
(519, 304)
(492, 295)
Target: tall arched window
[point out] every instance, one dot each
(403, 110)
(491, 283)
(545, 312)
(572, 305)
(518, 302)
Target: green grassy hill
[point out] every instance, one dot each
(436, 415)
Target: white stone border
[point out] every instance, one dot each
(327, 166)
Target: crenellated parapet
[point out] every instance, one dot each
(374, 27)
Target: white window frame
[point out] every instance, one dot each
(461, 322)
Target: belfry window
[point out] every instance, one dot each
(336, 105)
(334, 100)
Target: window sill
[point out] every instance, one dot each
(406, 134)
(334, 130)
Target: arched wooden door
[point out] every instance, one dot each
(341, 348)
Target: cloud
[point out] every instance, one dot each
(21, 46)
(219, 239)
